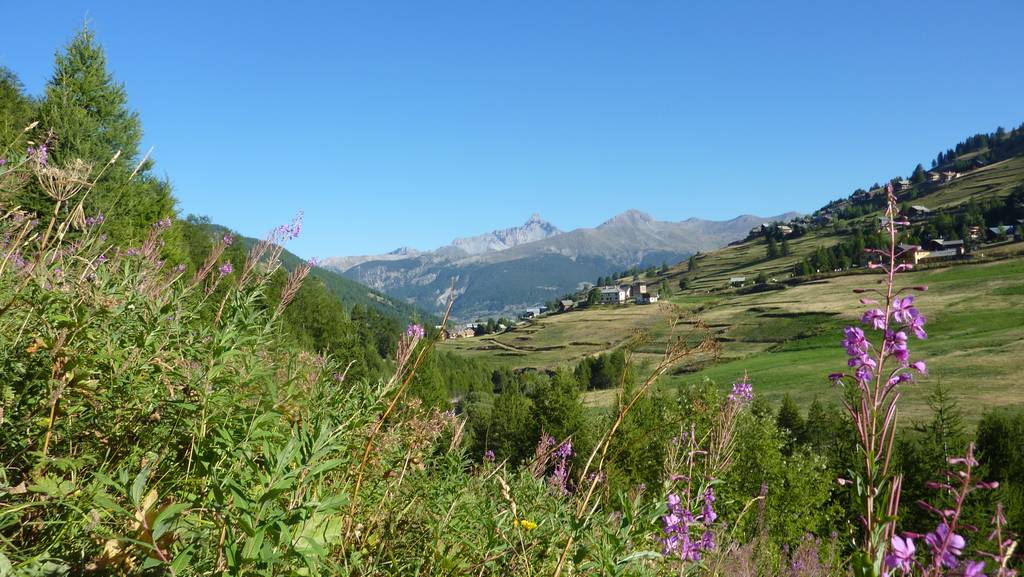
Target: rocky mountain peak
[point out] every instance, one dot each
(631, 217)
(534, 229)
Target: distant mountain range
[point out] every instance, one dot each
(505, 271)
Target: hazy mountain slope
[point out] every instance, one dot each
(504, 271)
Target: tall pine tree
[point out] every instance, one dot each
(87, 112)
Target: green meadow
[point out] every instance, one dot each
(787, 341)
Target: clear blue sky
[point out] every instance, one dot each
(410, 123)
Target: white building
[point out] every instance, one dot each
(614, 295)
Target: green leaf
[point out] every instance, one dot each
(166, 517)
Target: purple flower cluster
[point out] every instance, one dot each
(41, 154)
(313, 262)
(414, 331)
(162, 224)
(681, 527)
(3, 161)
(904, 317)
(226, 269)
(945, 546)
(559, 478)
(92, 221)
(489, 456)
(290, 231)
(228, 240)
(955, 545)
(742, 392)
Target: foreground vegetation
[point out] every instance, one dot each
(176, 403)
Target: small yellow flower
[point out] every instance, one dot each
(526, 524)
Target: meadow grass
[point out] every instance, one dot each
(788, 341)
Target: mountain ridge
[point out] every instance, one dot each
(510, 269)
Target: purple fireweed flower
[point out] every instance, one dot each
(489, 456)
(896, 345)
(903, 309)
(3, 161)
(564, 450)
(180, 268)
(226, 269)
(900, 379)
(674, 502)
(954, 548)
(94, 220)
(414, 331)
(708, 514)
(162, 224)
(901, 555)
(313, 262)
(679, 522)
(856, 343)
(742, 392)
(41, 154)
(916, 325)
(920, 367)
(101, 259)
(875, 318)
(974, 569)
(228, 239)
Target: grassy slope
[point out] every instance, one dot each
(788, 340)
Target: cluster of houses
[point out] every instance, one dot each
(933, 250)
(831, 213)
(621, 294)
(941, 249)
(784, 229)
(457, 331)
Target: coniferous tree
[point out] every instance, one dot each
(16, 110)
(784, 247)
(819, 429)
(87, 112)
(919, 175)
(790, 419)
(558, 407)
(773, 248)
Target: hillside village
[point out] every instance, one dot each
(970, 210)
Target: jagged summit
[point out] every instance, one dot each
(534, 229)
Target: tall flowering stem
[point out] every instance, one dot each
(877, 371)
